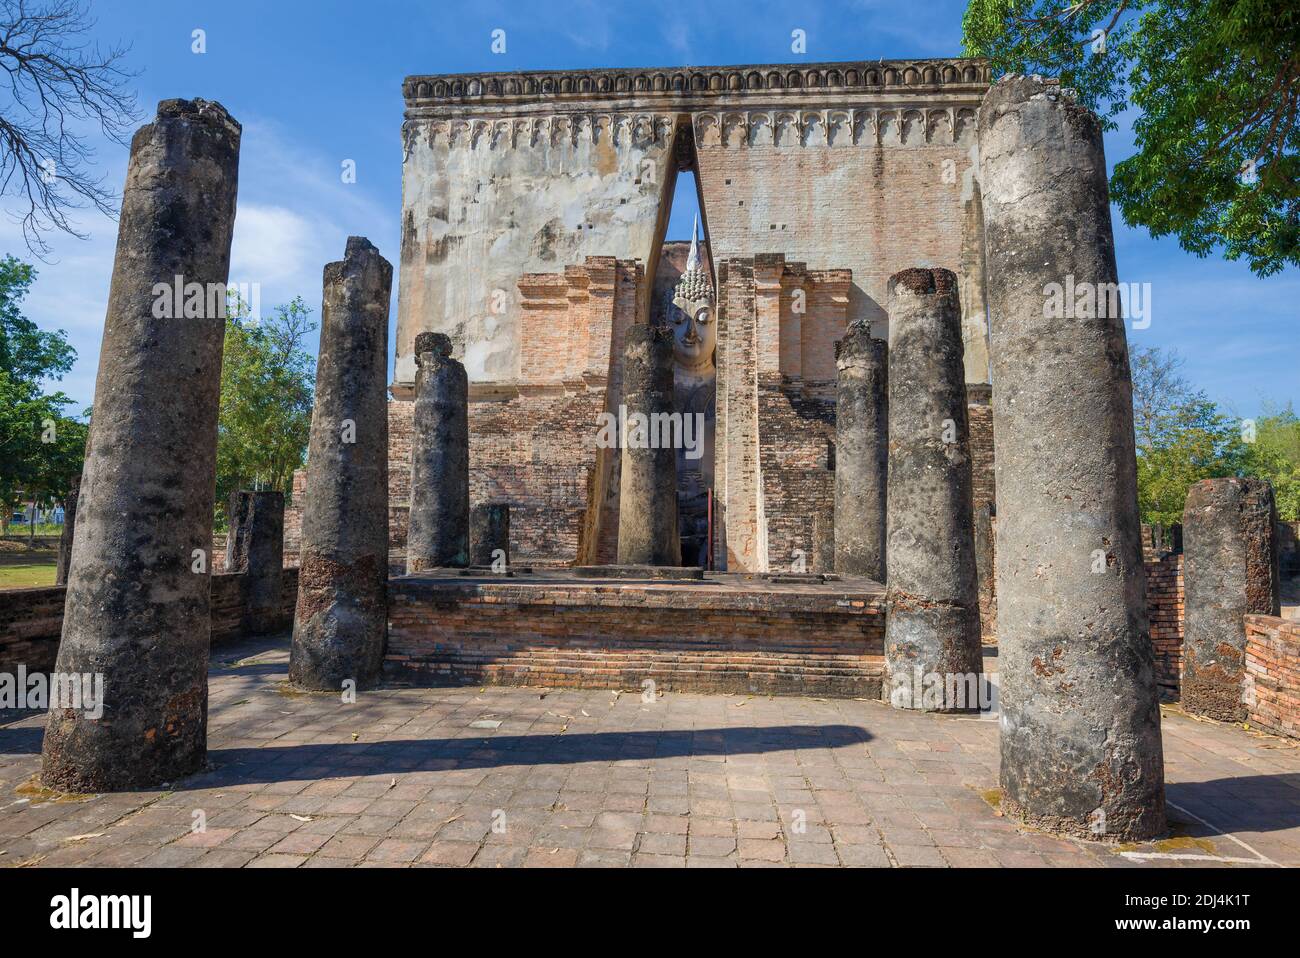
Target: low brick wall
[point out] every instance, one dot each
(31, 620)
(1165, 609)
(1272, 685)
(700, 637)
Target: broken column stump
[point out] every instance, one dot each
(255, 548)
(489, 533)
(340, 621)
(932, 631)
(438, 534)
(1081, 750)
(647, 496)
(1230, 569)
(137, 608)
(861, 453)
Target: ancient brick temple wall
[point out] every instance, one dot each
(778, 323)
(979, 423)
(31, 620)
(867, 165)
(602, 635)
(1272, 685)
(1165, 610)
(778, 181)
(533, 441)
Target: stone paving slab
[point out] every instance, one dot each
(450, 777)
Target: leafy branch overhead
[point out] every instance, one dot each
(1215, 87)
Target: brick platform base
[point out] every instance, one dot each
(727, 633)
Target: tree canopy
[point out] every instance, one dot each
(1216, 87)
(41, 448)
(267, 389)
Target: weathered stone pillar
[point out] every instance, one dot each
(1230, 569)
(341, 619)
(861, 453)
(439, 526)
(647, 498)
(1081, 751)
(69, 530)
(137, 609)
(255, 547)
(489, 530)
(985, 550)
(932, 632)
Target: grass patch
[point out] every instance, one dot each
(27, 575)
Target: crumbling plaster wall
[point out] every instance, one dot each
(864, 165)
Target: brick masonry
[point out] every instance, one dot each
(31, 620)
(732, 634)
(1272, 683)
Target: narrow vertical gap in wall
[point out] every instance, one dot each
(692, 321)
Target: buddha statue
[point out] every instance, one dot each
(690, 315)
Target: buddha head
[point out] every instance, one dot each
(691, 316)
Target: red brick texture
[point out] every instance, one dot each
(31, 620)
(560, 631)
(1272, 682)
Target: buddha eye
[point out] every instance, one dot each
(703, 316)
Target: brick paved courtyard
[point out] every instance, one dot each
(513, 776)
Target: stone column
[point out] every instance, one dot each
(985, 550)
(489, 530)
(932, 632)
(439, 526)
(341, 619)
(647, 499)
(1081, 750)
(1230, 569)
(137, 608)
(255, 547)
(861, 453)
(69, 530)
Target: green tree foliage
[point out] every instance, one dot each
(267, 382)
(1216, 84)
(41, 448)
(1274, 454)
(1182, 437)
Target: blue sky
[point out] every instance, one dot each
(315, 84)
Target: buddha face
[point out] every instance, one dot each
(694, 333)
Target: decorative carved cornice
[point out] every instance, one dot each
(896, 126)
(688, 88)
(494, 133)
(710, 129)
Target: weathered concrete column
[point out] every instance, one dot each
(861, 453)
(439, 526)
(1081, 751)
(341, 618)
(647, 492)
(255, 547)
(489, 531)
(68, 532)
(932, 631)
(1230, 569)
(137, 609)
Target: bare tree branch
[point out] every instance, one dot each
(61, 86)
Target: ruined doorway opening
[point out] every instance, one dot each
(683, 299)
